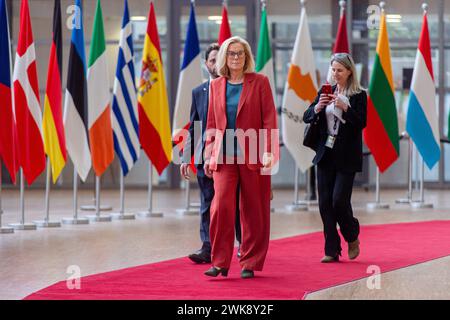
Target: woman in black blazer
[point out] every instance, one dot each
(341, 117)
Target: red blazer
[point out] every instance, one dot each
(256, 110)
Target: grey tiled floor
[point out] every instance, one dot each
(32, 260)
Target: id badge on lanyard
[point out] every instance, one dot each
(332, 138)
(330, 141)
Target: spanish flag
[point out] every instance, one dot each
(54, 138)
(99, 99)
(154, 120)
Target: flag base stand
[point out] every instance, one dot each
(403, 201)
(195, 205)
(148, 214)
(123, 216)
(23, 226)
(75, 221)
(98, 218)
(421, 205)
(314, 203)
(377, 206)
(188, 212)
(297, 207)
(5, 230)
(93, 208)
(47, 224)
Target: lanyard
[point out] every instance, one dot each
(335, 126)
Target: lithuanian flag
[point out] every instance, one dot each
(154, 120)
(54, 138)
(381, 134)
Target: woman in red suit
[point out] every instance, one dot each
(241, 148)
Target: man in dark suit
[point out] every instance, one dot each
(199, 116)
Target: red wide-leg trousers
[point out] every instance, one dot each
(254, 214)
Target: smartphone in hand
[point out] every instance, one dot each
(327, 89)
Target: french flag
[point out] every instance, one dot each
(8, 133)
(190, 78)
(422, 119)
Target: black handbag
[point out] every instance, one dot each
(311, 135)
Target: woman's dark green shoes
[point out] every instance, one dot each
(328, 259)
(214, 272)
(246, 274)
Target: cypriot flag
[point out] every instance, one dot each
(300, 91)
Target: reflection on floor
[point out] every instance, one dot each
(31, 260)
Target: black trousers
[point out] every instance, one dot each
(335, 191)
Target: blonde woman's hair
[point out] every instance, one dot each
(353, 85)
(221, 64)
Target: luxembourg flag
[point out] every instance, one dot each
(190, 78)
(422, 119)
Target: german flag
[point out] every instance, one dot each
(54, 137)
(154, 120)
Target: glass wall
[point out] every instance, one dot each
(404, 24)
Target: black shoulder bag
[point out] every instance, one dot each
(311, 135)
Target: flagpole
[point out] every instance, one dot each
(421, 204)
(3, 230)
(75, 219)
(188, 210)
(149, 213)
(122, 215)
(46, 223)
(377, 205)
(93, 207)
(408, 198)
(22, 225)
(98, 217)
(309, 191)
(296, 205)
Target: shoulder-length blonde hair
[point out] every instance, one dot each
(221, 64)
(353, 85)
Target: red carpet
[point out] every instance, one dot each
(292, 269)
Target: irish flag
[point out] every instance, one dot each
(422, 119)
(153, 105)
(264, 61)
(381, 134)
(99, 110)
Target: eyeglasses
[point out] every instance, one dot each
(342, 55)
(238, 54)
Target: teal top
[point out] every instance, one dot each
(232, 102)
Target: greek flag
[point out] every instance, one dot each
(125, 120)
